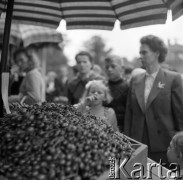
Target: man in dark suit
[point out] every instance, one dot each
(154, 110)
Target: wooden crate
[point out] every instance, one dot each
(139, 157)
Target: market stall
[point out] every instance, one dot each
(33, 138)
(54, 141)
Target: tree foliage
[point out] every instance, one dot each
(52, 54)
(55, 58)
(97, 47)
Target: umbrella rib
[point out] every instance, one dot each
(167, 5)
(61, 10)
(112, 6)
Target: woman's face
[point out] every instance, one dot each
(63, 72)
(22, 61)
(84, 65)
(148, 57)
(99, 92)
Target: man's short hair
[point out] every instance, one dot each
(84, 53)
(115, 58)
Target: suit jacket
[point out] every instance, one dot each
(163, 113)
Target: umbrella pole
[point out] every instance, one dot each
(4, 70)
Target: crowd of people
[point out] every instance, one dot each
(145, 104)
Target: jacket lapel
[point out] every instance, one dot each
(139, 91)
(155, 89)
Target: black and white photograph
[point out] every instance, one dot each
(91, 89)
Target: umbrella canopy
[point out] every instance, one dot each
(90, 14)
(176, 6)
(29, 34)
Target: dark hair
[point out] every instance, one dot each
(32, 57)
(84, 53)
(128, 70)
(18, 51)
(156, 45)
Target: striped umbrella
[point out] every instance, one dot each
(177, 8)
(29, 34)
(89, 14)
(136, 13)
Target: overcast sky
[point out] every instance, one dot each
(125, 43)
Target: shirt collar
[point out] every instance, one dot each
(119, 81)
(153, 75)
(86, 77)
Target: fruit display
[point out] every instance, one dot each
(56, 142)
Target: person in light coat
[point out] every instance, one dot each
(32, 89)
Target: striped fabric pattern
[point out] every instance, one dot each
(79, 14)
(37, 34)
(29, 34)
(88, 14)
(37, 12)
(93, 14)
(13, 40)
(2, 6)
(15, 37)
(136, 13)
(177, 8)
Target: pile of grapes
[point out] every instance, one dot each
(56, 142)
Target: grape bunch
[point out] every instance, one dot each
(56, 142)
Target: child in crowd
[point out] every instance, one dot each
(96, 93)
(175, 152)
(114, 67)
